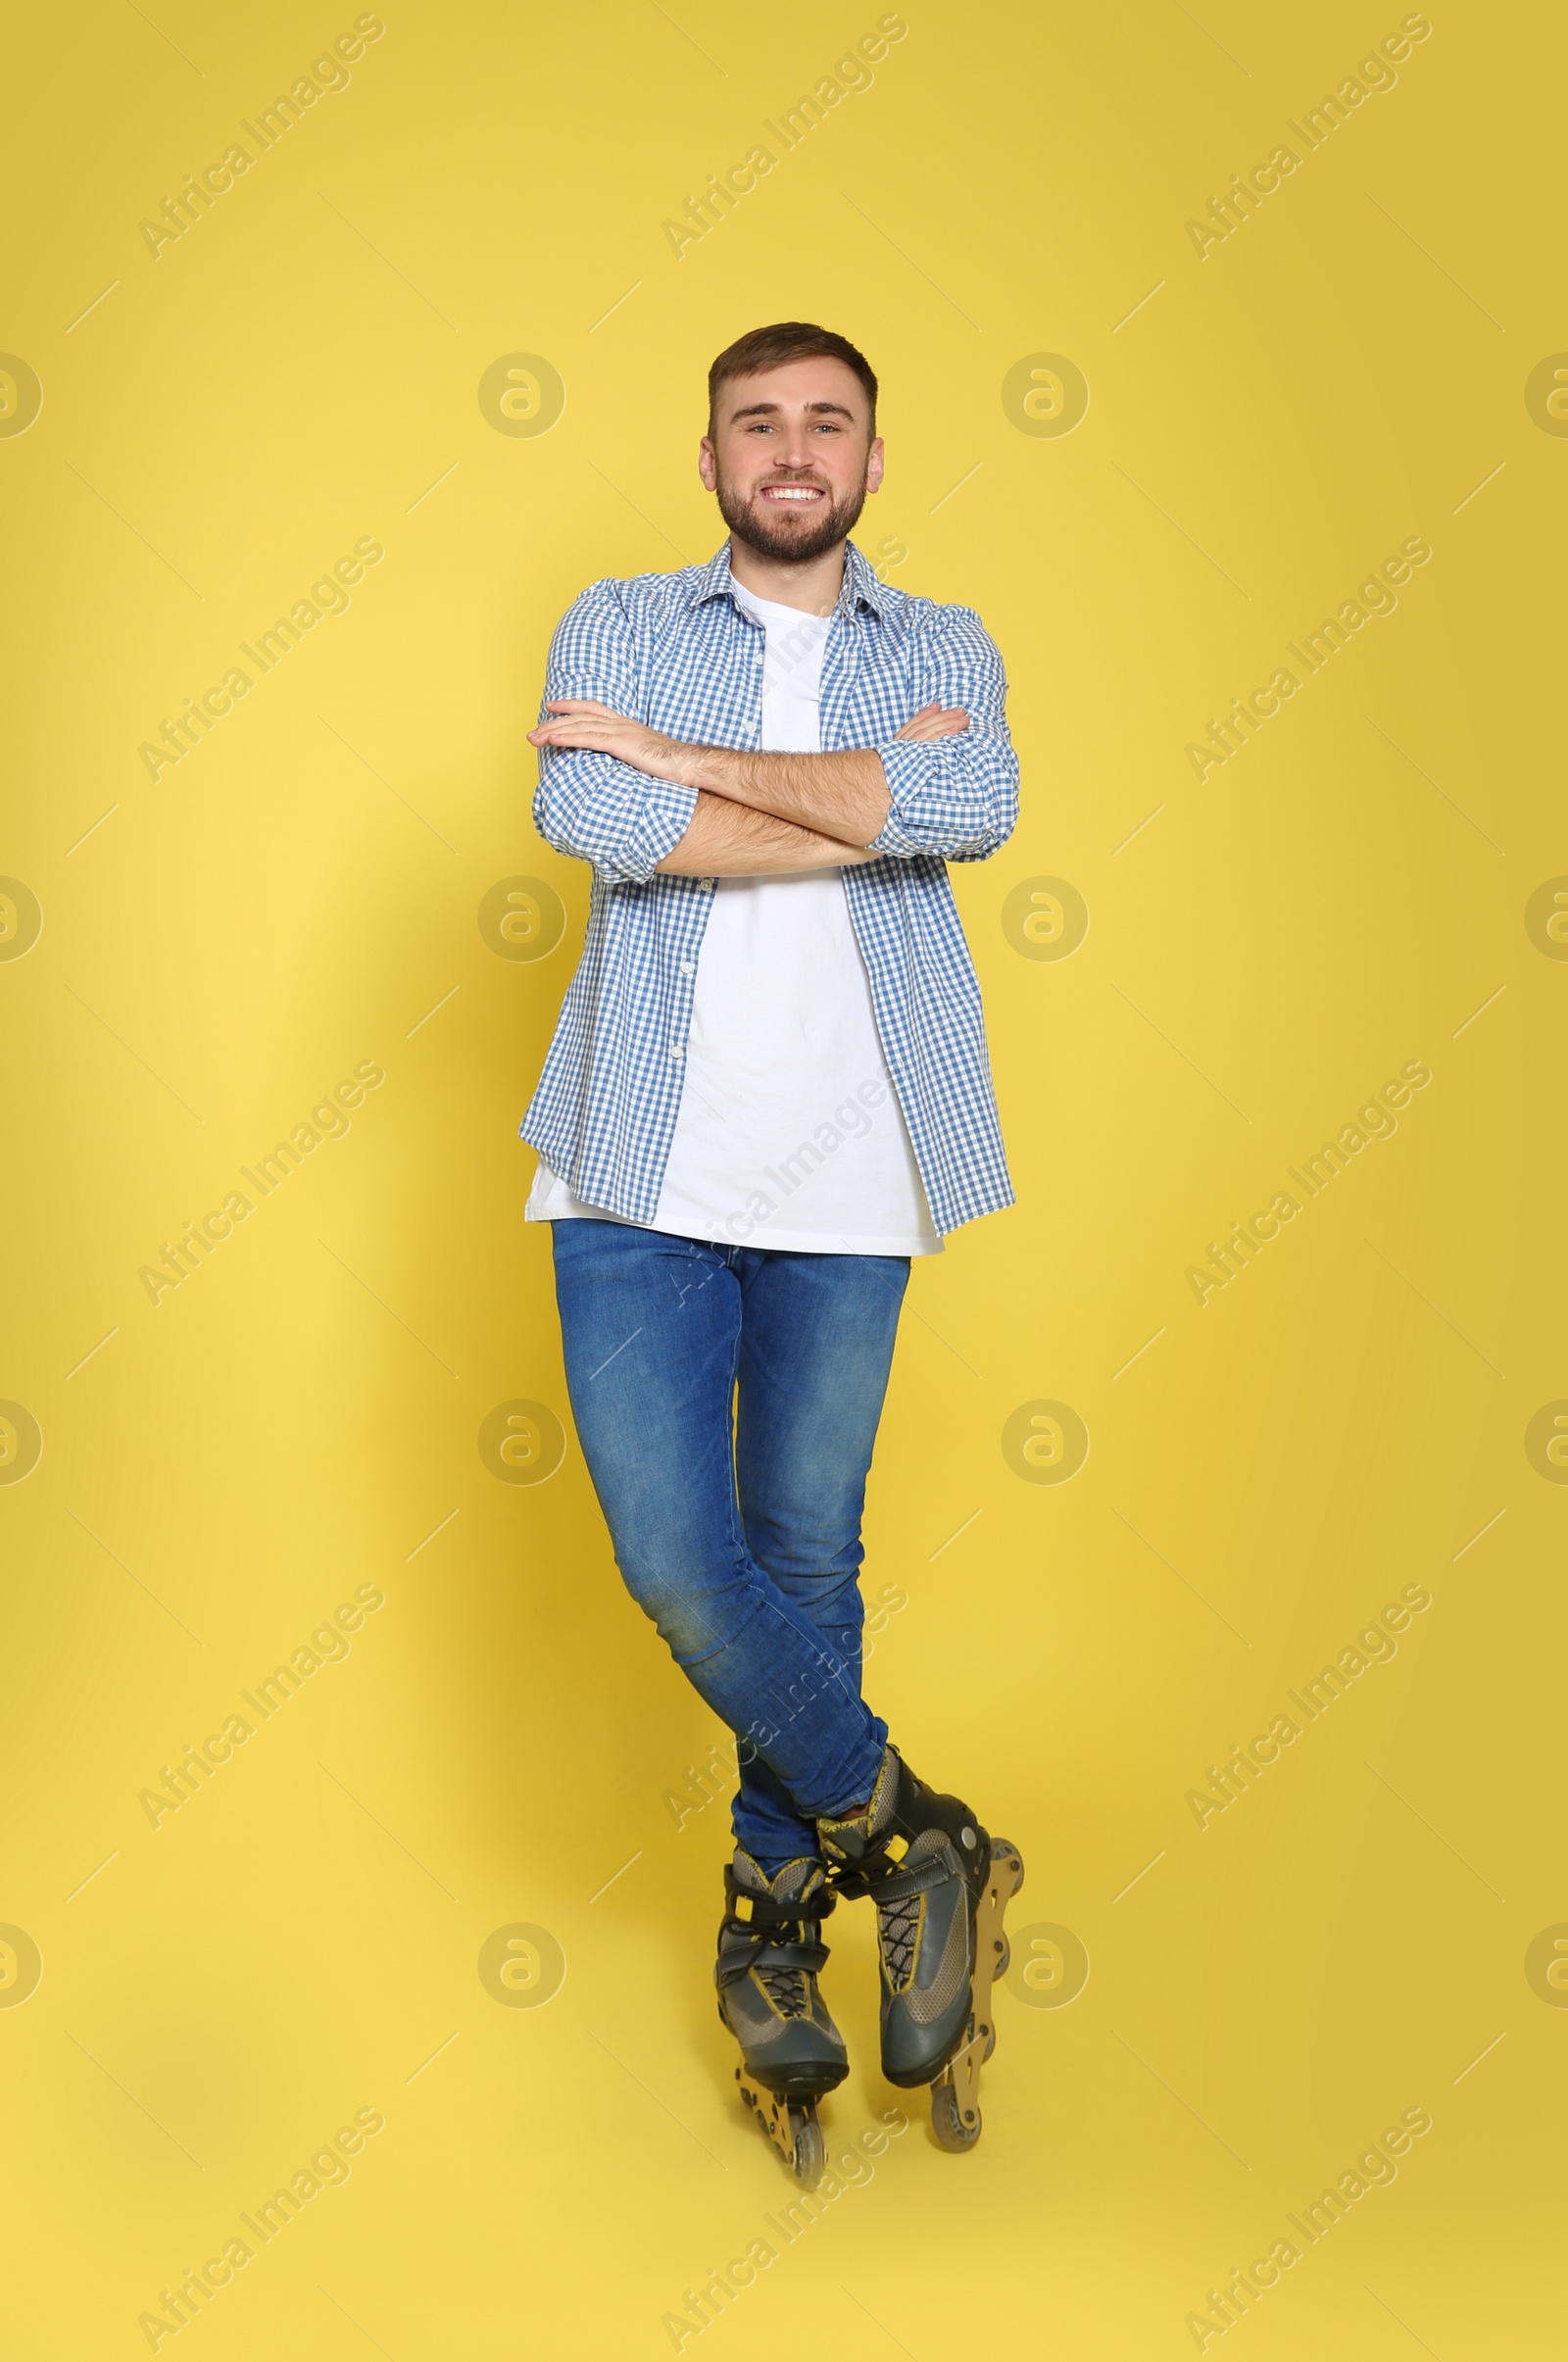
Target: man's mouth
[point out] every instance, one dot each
(791, 496)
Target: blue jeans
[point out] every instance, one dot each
(727, 1399)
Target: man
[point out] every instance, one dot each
(767, 1090)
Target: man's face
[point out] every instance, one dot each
(792, 458)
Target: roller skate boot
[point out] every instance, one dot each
(941, 1886)
(770, 1954)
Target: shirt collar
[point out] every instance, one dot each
(859, 587)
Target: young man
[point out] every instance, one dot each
(767, 1090)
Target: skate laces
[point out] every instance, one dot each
(785, 1988)
(899, 1919)
(898, 1926)
(786, 1983)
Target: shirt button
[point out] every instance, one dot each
(677, 1052)
(707, 884)
(688, 968)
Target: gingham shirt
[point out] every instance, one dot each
(679, 653)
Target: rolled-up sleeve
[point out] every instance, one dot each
(956, 798)
(588, 804)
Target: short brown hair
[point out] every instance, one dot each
(787, 340)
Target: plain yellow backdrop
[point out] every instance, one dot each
(188, 2011)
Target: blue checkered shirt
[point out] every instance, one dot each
(679, 653)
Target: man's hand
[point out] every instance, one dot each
(935, 722)
(582, 721)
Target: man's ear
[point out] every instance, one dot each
(707, 465)
(873, 465)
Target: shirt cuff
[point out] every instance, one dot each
(906, 769)
(665, 814)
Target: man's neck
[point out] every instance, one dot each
(812, 587)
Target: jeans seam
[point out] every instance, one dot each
(737, 1532)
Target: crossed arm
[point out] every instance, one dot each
(755, 813)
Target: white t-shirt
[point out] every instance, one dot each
(790, 1133)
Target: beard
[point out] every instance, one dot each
(770, 535)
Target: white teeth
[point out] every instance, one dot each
(791, 492)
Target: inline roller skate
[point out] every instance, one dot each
(770, 1954)
(941, 1886)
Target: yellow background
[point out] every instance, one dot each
(296, 895)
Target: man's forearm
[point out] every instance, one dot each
(729, 839)
(843, 796)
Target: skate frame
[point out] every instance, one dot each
(782, 2120)
(963, 2070)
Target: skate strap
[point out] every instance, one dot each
(895, 1886)
(737, 1959)
(759, 1912)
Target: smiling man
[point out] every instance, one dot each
(768, 1089)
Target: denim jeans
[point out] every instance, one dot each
(726, 1400)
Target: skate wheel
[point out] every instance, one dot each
(991, 2043)
(1003, 1958)
(810, 2152)
(948, 2119)
(1003, 1848)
